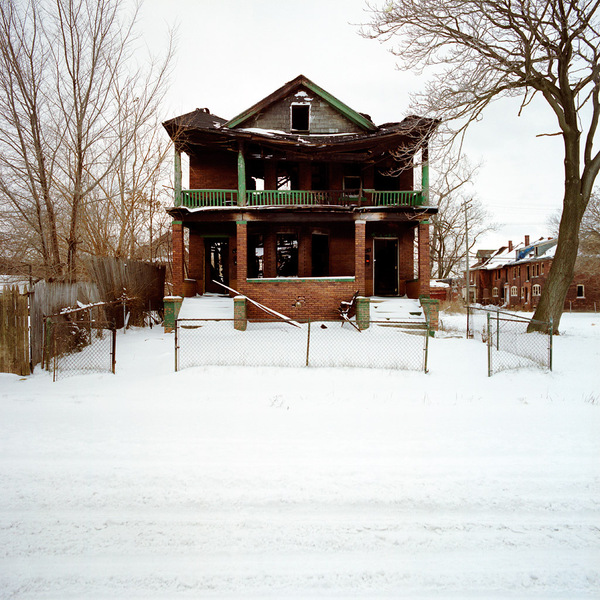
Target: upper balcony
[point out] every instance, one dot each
(375, 198)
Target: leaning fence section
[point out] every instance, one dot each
(385, 345)
(510, 346)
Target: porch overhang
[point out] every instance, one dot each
(301, 213)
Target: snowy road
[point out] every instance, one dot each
(303, 483)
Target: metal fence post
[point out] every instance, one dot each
(176, 345)
(114, 350)
(308, 343)
(551, 331)
(427, 330)
(498, 329)
(489, 343)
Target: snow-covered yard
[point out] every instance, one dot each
(284, 483)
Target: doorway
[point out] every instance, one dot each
(385, 269)
(217, 264)
(320, 255)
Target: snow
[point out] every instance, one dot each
(222, 482)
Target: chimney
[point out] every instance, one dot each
(527, 240)
(510, 246)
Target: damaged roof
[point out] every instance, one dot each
(202, 128)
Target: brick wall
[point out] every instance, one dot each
(359, 256)
(213, 170)
(196, 260)
(178, 258)
(299, 298)
(424, 260)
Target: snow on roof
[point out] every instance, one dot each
(544, 248)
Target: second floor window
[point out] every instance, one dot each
(300, 117)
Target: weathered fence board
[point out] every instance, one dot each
(14, 333)
(51, 298)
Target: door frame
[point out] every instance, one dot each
(387, 239)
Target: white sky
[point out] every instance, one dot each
(232, 53)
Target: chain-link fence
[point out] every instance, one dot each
(511, 347)
(385, 345)
(75, 347)
(508, 344)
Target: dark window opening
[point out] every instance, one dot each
(320, 255)
(217, 264)
(580, 291)
(256, 256)
(287, 255)
(352, 186)
(300, 117)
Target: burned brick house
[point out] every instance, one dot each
(300, 201)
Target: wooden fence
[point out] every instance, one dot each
(51, 298)
(14, 334)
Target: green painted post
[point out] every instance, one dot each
(425, 174)
(363, 312)
(172, 305)
(241, 178)
(240, 318)
(177, 166)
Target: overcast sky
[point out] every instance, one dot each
(232, 53)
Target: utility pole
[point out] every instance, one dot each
(467, 274)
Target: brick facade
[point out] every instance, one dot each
(178, 258)
(518, 284)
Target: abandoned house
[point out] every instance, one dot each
(300, 201)
(513, 276)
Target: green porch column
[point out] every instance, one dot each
(177, 178)
(425, 174)
(241, 177)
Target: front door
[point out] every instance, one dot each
(217, 264)
(385, 267)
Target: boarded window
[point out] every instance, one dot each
(300, 117)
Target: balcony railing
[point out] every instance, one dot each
(219, 198)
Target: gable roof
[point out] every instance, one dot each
(301, 81)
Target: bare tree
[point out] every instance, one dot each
(481, 50)
(457, 211)
(28, 148)
(75, 102)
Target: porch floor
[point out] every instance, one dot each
(207, 306)
(217, 306)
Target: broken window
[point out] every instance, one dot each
(256, 255)
(287, 255)
(300, 117)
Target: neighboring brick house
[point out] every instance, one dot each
(300, 201)
(514, 276)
